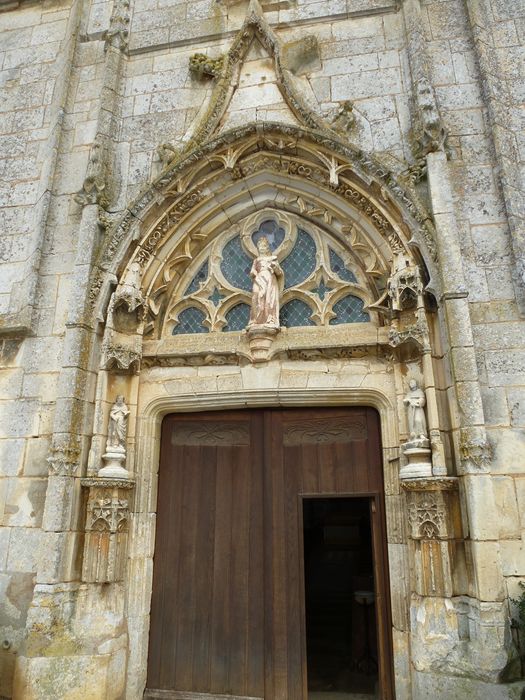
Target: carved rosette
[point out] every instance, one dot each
(107, 525)
(436, 543)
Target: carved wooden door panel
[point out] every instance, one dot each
(207, 618)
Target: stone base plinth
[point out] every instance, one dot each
(114, 467)
(419, 462)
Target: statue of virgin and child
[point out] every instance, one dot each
(265, 273)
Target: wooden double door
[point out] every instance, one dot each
(228, 604)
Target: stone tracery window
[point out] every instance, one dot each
(322, 285)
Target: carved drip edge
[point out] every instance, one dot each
(108, 510)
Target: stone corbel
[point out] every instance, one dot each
(435, 532)
(260, 339)
(106, 529)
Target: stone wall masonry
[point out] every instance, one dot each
(35, 66)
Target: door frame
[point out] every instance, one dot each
(152, 409)
(381, 573)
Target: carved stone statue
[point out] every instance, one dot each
(265, 273)
(118, 426)
(415, 402)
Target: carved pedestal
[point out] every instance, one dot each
(419, 460)
(114, 467)
(260, 339)
(436, 550)
(107, 524)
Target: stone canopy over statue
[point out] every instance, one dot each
(265, 274)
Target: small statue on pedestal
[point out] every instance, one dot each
(417, 448)
(115, 455)
(417, 423)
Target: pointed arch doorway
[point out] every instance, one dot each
(266, 520)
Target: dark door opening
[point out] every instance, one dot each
(341, 631)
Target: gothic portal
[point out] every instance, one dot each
(262, 356)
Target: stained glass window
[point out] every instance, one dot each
(216, 297)
(191, 320)
(236, 264)
(199, 279)
(349, 309)
(296, 313)
(322, 289)
(237, 318)
(315, 270)
(301, 261)
(340, 269)
(270, 230)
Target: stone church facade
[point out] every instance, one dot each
(147, 147)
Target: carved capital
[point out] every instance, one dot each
(64, 460)
(474, 449)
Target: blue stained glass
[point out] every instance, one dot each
(216, 297)
(198, 281)
(300, 262)
(349, 310)
(340, 269)
(270, 230)
(237, 318)
(296, 313)
(236, 265)
(322, 290)
(191, 321)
